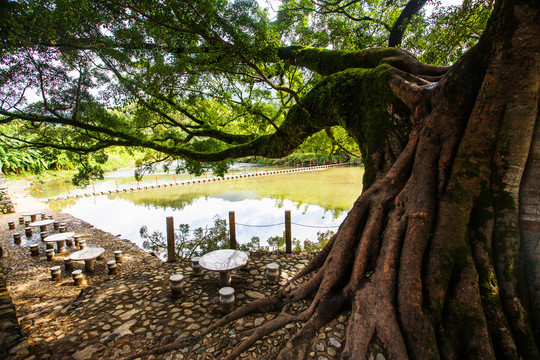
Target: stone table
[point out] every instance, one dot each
(87, 255)
(33, 215)
(42, 224)
(60, 240)
(223, 261)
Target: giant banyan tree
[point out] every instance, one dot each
(439, 258)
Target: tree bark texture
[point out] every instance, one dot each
(439, 257)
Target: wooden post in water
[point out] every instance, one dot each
(232, 231)
(288, 239)
(171, 255)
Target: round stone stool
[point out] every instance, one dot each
(21, 220)
(61, 246)
(56, 273)
(11, 225)
(177, 290)
(34, 250)
(111, 265)
(68, 264)
(43, 216)
(118, 256)
(226, 298)
(56, 225)
(17, 238)
(82, 244)
(197, 269)
(272, 273)
(44, 234)
(27, 222)
(28, 232)
(62, 228)
(78, 277)
(50, 254)
(49, 245)
(76, 239)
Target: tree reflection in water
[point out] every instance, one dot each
(189, 243)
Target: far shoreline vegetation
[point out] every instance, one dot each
(41, 165)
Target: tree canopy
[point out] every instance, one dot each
(202, 80)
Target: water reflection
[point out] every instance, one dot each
(318, 201)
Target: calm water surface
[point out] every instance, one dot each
(318, 201)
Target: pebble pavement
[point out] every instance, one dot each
(115, 316)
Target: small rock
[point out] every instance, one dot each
(85, 353)
(126, 316)
(334, 343)
(193, 327)
(254, 294)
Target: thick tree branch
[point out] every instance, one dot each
(326, 62)
(399, 27)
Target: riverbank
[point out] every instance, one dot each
(116, 316)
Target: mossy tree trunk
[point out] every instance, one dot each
(438, 259)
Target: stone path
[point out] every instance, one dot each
(112, 317)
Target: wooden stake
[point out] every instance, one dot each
(232, 231)
(288, 239)
(171, 255)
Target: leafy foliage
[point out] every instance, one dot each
(198, 81)
(189, 243)
(451, 31)
(14, 161)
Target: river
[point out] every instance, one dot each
(318, 201)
